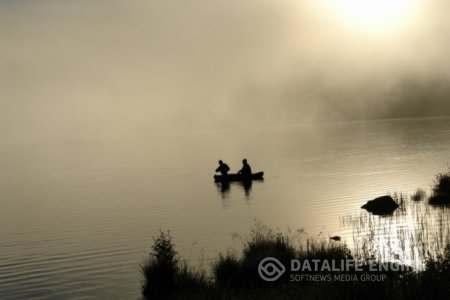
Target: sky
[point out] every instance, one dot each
(97, 68)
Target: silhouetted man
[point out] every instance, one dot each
(246, 169)
(223, 168)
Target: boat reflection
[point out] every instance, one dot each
(224, 188)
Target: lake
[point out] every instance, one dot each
(77, 218)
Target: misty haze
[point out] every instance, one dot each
(113, 115)
(92, 69)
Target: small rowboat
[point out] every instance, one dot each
(238, 177)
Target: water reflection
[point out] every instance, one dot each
(247, 185)
(225, 187)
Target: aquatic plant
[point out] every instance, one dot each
(413, 234)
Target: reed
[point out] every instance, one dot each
(413, 234)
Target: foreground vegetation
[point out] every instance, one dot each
(235, 276)
(441, 190)
(417, 233)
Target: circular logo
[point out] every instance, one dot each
(270, 269)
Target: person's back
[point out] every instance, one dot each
(223, 168)
(246, 169)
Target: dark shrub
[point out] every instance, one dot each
(441, 190)
(166, 279)
(161, 268)
(419, 195)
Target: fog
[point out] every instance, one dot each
(88, 69)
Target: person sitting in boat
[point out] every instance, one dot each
(246, 169)
(223, 168)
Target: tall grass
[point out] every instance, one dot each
(234, 275)
(415, 233)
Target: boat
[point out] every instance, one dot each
(238, 177)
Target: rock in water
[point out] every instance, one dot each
(384, 205)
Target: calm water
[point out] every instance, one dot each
(77, 219)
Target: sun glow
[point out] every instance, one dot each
(373, 13)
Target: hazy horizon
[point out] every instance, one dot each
(121, 68)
